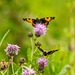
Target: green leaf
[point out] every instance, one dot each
(64, 70)
(15, 67)
(4, 36)
(50, 68)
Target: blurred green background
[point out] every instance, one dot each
(61, 29)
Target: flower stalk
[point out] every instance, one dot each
(12, 65)
(32, 48)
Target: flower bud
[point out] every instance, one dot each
(3, 65)
(22, 60)
(35, 39)
(30, 34)
(37, 35)
(39, 43)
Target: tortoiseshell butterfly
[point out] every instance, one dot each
(44, 21)
(45, 53)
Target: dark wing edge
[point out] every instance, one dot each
(30, 20)
(46, 20)
(51, 52)
(39, 48)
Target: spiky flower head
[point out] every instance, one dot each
(42, 63)
(40, 29)
(29, 71)
(12, 50)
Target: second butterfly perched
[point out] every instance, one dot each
(44, 21)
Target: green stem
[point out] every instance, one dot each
(12, 65)
(8, 67)
(22, 68)
(2, 73)
(32, 48)
(72, 30)
(16, 73)
(41, 73)
(5, 72)
(4, 36)
(35, 50)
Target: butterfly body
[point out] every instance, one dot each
(44, 21)
(45, 53)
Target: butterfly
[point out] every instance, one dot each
(44, 21)
(45, 53)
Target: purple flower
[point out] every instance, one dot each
(40, 29)
(42, 63)
(28, 71)
(12, 50)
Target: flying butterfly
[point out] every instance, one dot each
(45, 53)
(44, 21)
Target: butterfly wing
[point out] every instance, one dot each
(30, 20)
(51, 52)
(39, 48)
(46, 20)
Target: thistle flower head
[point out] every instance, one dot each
(28, 71)
(40, 29)
(42, 63)
(12, 50)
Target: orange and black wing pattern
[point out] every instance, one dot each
(45, 53)
(42, 20)
(39, 48)
(51, 52)
(30, 20)
(46, 20)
